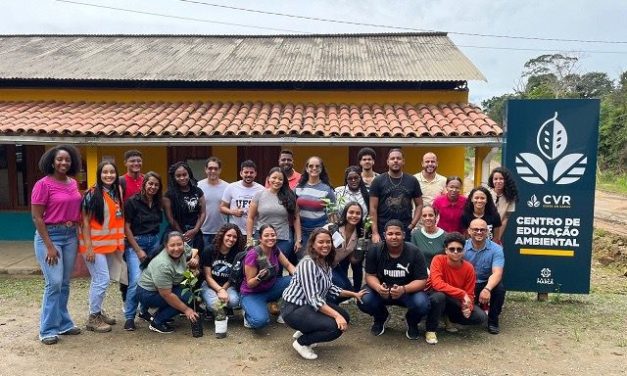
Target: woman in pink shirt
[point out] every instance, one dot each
(451, 205)
(55, 207)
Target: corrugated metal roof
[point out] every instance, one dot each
(407, 57)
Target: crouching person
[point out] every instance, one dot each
(159, 285)
(451, 288)
(396, 274)
(305, 305)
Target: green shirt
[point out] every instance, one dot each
(163, 272)
(429, 244)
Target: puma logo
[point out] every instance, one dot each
(405, 268)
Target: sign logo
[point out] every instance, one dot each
(533, 202)
(545, 277)
(552, 140)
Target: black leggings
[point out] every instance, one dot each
(315, 325)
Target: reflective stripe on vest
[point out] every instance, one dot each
(109, 236)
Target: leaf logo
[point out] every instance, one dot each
(552, 138)
(533, 202)
(531, 168)
(570, 168)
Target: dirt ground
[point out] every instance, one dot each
(569, 334)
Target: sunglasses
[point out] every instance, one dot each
(479, 230)
(455, 249)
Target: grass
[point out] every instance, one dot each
(612, 182)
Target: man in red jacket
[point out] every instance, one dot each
(451, 288)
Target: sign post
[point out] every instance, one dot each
(551, 149)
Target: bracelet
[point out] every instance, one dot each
(487, 288)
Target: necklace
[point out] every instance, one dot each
(399, 182)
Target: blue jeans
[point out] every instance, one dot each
(254, 305)
(207, 239)
(375, 305)
(211, 297)
(55, 317)
(99, 272)
(152, 299)
(150, 244)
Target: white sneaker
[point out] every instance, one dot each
(246, 324)
(297, 334)
(305, 351)
(280, 320)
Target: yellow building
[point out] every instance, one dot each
(235, 97)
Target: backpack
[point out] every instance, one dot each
(237, 270)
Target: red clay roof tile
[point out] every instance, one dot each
(192, 119)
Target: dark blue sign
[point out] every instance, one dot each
(551, 149)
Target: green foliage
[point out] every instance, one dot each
(612, 182)
(190, 281)
(554, 76)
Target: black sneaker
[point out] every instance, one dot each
(161, 328)
(493, 329)
(412, 332)
(378, 327)
(146, 316)
(129, 325)
(73, 331)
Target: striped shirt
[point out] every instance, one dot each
(312, 210)
(310, 285)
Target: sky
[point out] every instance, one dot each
(469, 24)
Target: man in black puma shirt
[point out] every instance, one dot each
(396, 274)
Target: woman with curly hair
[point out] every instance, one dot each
(276, 206)
(354, 189)
(102, 239)
(217, 262)
(480, 205)
(184, 204)
(56, 211)
(505, 195)
(314, 192)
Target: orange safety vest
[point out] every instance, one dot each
(107, 237)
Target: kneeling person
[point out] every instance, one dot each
(396, 274)
(451, 287)
(159, 285)
(489, 261)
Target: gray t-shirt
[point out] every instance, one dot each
(213, 197)
(270, 211)
(163, 272)
(239, 196)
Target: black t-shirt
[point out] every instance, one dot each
(144, 220)
(493, 221)
(409, 266)
(220, 266)
(188, 209)
(396, 197)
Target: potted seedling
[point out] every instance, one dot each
(220, 319)
(363, 242)
(330, 209)
(190, 281)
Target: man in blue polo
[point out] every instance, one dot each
(488, 260)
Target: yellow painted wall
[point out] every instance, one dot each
(335, 160)
(228, 156)
(154, 159)
(450, 159)
(120, 95)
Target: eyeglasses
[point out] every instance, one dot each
(479, 230)
(314, 167)
(353, 178)
(455, 249)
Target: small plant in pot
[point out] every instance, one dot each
(363, 242)
(219, 318)
(331, 210)
(190, 281)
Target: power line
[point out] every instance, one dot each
(396, 27)
(391, 36)
(180, 17)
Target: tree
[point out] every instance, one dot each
(546, 75)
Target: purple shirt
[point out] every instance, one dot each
(61, 200)
(251, 260)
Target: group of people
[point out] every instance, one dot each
(426, 246)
